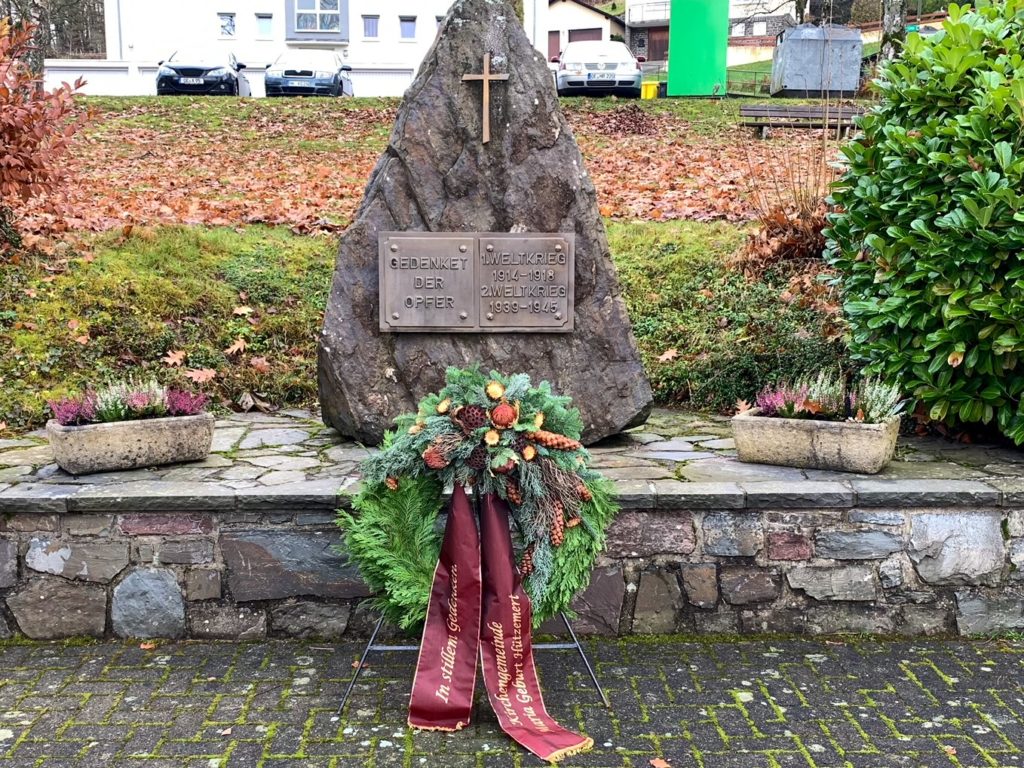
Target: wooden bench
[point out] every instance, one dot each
(763, 117)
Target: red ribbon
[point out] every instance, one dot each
(461, 620)
(442, 691)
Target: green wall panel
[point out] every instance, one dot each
(698, 44)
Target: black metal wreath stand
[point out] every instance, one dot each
(373, 646)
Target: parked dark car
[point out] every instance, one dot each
(304, 72)
(201, 73)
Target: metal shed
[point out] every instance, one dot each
(817, 61)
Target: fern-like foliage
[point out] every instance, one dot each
(572, 562)
(393, 537)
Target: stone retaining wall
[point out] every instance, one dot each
(910, 557)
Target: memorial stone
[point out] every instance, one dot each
(479, 240)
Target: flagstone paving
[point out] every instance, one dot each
(710, 704)
(293, 450)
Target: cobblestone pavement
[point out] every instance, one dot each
(728, 704)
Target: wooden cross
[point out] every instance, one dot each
(486, 78)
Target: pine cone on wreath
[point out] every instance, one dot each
(558, 525)
(392, 483)
(478, 459)
(554, 440)
(434, 458)
(526, 564)
(519, 443)
(513, 493)
(573, 520)
(471, 417)
(584, 492)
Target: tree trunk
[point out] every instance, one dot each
(894, 28)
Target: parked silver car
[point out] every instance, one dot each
(599, 68)
(307, 72)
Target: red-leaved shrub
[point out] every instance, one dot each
(35, 125)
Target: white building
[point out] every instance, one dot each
(647, 22)
(572, 20)
(384, 41)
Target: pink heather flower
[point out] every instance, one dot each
(182, 403)
(74, 411)
(137, 401)
(772, 400)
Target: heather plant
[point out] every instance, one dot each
(874, 401)
(827, 398)
(929, 240)
(74, 411)
(828, 390)
(127, 401)
(783, 400)
(182, 403)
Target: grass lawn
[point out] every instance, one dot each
(207, 228)
(127, 302)
(616, 8)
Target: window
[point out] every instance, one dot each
(317, 16)
(227, 24)
(739, 30)
(408, 26)
(760, 28)
(264, 26)
(371, 27)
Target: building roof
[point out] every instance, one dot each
(589, 7)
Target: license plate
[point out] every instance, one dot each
(191, 81)
(297, 83)
(601, 76)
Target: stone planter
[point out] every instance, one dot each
(837, 445)
(130, 444)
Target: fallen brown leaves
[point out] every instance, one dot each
(681, 171)
(238, 347)
(260, 364)
(226, 164)
(668, 355)
(201, 375)
(174, 359)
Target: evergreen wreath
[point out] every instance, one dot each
(498, 435)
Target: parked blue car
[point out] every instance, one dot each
(303, 72)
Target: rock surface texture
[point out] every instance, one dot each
(148, 603)
(49, 608)
(438, 176)
(935, 545)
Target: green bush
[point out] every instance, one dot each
(928, 242)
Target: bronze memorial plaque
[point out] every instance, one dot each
(476, 282)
